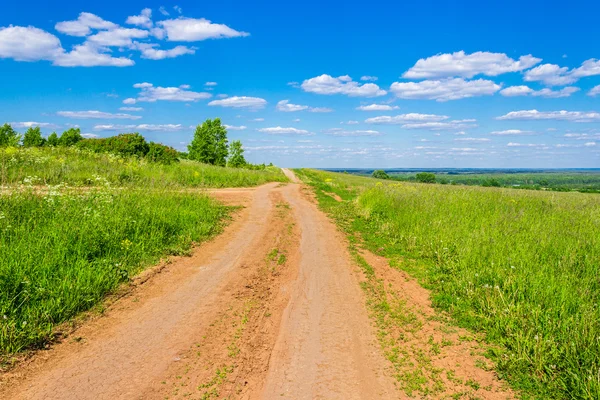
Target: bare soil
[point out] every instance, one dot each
(271, 308)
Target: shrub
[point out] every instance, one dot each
(380, 174)
(236, 158)
(8, 136)
(52, 139)
(162, 154)
(70, 137)
(425, 177)
(33, 137)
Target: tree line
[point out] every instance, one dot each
(209, 145)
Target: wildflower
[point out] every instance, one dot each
(4, 316)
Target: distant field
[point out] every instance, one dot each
(557, 180)
(521, 266)
(63, 249)
(75, 167)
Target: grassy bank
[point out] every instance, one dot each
(521, 266)
(62, 252)
(58, 165)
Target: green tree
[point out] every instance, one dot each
(236, 155)
(380, 174)
(8, 136)
(70, 137)
(52, 139)
(426, 177)
(209, 145)
(33, 137)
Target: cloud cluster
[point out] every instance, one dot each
(151, 93)
(404, 118)
(286, 106)
(377, 107)
(532, 115)
(328, 85)
(444, 90)
(141, 127)
(278, 130)
(103, 37)
(350, 133)
(522, 90)
(93, 114)
(460, 64)
(240, 102)
(554, 75)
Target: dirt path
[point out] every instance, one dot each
(272, 308)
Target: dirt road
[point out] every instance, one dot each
(272, 308)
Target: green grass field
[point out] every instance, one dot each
(63, 249)
(521, 266)
(58, 165)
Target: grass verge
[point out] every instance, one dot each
(520, 266)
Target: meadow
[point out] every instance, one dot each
(519, 266)
(80, 167)
(70, 234)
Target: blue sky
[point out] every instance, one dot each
(421, 84)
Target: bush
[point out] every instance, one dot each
(159, 153)
(33, 137)
(8, 136)
(380, 174)
(52, 139)
(70, 137)
(425, 177)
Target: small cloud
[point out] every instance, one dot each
(178, 9)
(163, 11)
(368, 78)
(210, 84)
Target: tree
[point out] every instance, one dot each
(33, 137)
(426, 177)
(70, 137)
(209, 145)
(236, 155)
(8, 136)
(52, 139)
(380, 174)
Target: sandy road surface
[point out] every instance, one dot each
(270, 309)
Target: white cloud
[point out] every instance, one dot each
(19, 125)
(129, 100)
(86, 55)
(326, 84)
(595, 91)
(516, 91)
(89, 135)
(590, 144)
(404, 118)
(512, 132)
(148, 51)
(343, 132)
(377, 107)
(235, 128)
(285, 131)
(296, 120)
(442, 126)
(258, 120)
(320, 110)
(554, 75)
(163, 11)
(564, 92)
(95, 115)
(119, 37)
(525, 91)
(464, 65)
(512, 144)
(210, 84)
(194, 30)
(144, 19)
(286, 106)
(131, 109)
(141, 127)
(240, 102)
(368, 78)
(471, 139)
(444, 90)
(83, 25)
(151, 93)
(178, 9)
(574, 116)
(351, 122)
(28, 44)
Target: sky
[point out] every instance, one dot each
(388, 84)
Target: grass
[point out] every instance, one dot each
(60, 165)
(63, 249)
(520, 266)
(62, 252)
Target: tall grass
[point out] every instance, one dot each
(57, 165)
(60, 253)
(521, 266)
